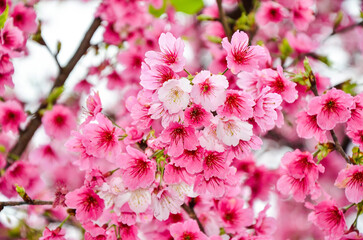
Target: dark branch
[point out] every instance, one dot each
(223, 19)
(27, 134)
(190, 210)
(18, 203)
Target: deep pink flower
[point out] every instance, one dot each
(302, 15)
(187, 230)
(139, 171)
(3, 4)
(233, 215)
(307, 127)
(243, 148)
(56, 234)
(174, 175)
(265, 225)
(300, 175)
(356, 120)
(11, 37)
(196, 116)
(115, 81)
(101, 140)
(215, 165)
(240, 56)
(88, 205)
(152, 78)
(331, 108)
(11, 115)
(351, 178)
(180, 137)
(171, 53)
(279, 84)
(94, 104)
(209, 90)
(59, 122)
(329, 218)
(239, 104)
(356, 136)
(213, 187)
(192, 160)
(45, 154)
(270, 12)
(24, 18)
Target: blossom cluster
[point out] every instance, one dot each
(181, 153)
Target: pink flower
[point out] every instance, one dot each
(351, 178)
(329, 218)
(265, 110)
(215, 165)
(11, 115)
(233, 216)
(94, 104)
(300, 175)
(356, 120)
(165, 202)
(152, 78)
(24, 18)
(187, 230)
(179, 137)
(171, 53)
(192, 160)
(197, 116)
(302, 15)
(331, 108)
(307, 127)
(208, 138)
(301, 42)
(240, 56)
(56, 234)
(265, 225)
(209, 90)
(213, 187)
(279, 84)
(11, 38)
(101, 140)
(174, 175)
(2, 5)
(270, 12)
(139, 171)
(243, 148)
(231, 130)
(174, 94)
(114, 80)
(239, 104)
(88, 205)
(357, 137)
(59, 122)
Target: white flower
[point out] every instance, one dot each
(140, 200)
(174, 94)
(231, 130)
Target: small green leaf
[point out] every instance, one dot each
(59, 47)
(285, 49)
(2, 148)
(157, 12)
(349, 87)
(338, 20)
(20, 190)
(4, 16)
(188, 6)
(214, 39)
(204, 17)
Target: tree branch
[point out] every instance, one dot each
(27, 134)
(222, 17)
(17, 203)
(190, 210)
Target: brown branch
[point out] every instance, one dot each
(347, 28)
(27, 134)
(222, 17)
(18, 203)
(338, 147)
(190, 210)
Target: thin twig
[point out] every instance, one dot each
(190, 210)
(222, 17)
(18, 203)
(54, 55)
(27, 134)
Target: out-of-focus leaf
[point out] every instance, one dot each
(157, 12)
(214, 39)
(285, 49)
(338, 20)
(4, 16)
(188, 6)
(349, 87)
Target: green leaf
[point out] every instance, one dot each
(53, 96)
(214, 39)
(349, 87)
(285, 49)
(188, 6)
(157, 12)
(338, 19)
(4, 16)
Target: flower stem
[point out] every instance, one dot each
(225, 71)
